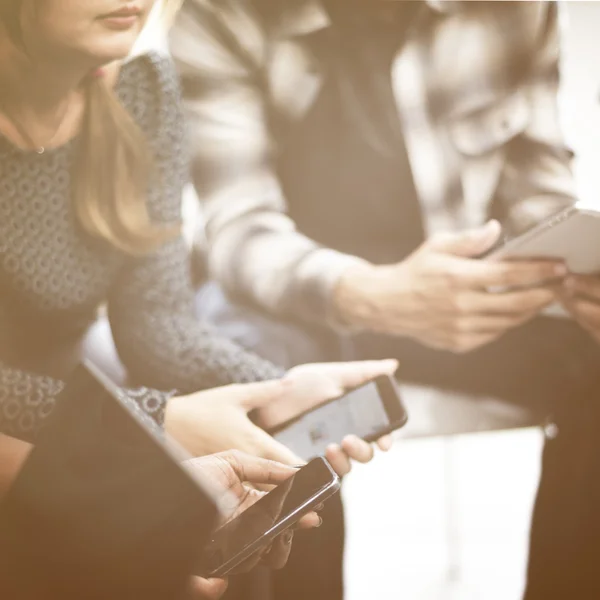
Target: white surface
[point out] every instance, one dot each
(442, 519)
(581, 100)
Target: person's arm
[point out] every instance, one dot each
(254, 249)
(152, 304)
(159, 338)
(537, 180)
(27, 400)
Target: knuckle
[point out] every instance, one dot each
(507, 276)
(452, 276)
(535, 299)
(236, 455)
(461, 304)
(464, 326)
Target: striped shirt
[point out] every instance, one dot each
(476, 87)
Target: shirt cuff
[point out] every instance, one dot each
(149, 403)
(311, 293)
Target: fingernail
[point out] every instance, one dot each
(298, 466)
(320, 522)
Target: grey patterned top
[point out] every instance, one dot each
(53, 276)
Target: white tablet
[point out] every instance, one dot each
(572, 235)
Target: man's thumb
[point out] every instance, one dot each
(467, 244)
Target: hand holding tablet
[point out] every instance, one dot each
(573, 236)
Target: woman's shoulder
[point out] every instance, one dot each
(148, 86)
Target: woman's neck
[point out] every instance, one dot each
(40, 99)
(35, 88)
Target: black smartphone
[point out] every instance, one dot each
(368, 411)
(259, 525)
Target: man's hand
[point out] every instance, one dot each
(581, 298)
(440, 295)
(234, 475)
(314, 384)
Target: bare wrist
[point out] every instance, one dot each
(377, 298)
(352, 299)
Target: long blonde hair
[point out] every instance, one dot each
(113, 163)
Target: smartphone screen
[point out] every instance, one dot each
(283, 505)
(367, 411)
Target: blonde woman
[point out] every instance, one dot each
(92, 164)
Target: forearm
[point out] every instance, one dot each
(13, 453)
(26, 401)
(264, 259)
(167, 350)
(361, 301)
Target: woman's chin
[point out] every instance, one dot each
(114, 46)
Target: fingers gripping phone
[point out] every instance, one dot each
(274, 513)
(368, 411)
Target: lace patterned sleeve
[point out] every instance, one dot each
(28, 399)
(152, 306)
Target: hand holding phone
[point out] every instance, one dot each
(369, 411)
(252, 531)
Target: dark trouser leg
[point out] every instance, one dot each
(315, 568)
(565, 533)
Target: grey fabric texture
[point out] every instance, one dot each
(54, 276)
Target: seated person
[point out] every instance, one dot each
(347, 155)
(92, 165)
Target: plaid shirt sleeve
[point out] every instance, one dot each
(537, 179)
(255, 251)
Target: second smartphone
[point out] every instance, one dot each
(257, 527)
(368, 411)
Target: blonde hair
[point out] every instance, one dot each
(113, 164)
(113, 170)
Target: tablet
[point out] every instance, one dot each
(572, 235)
(102, 508)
